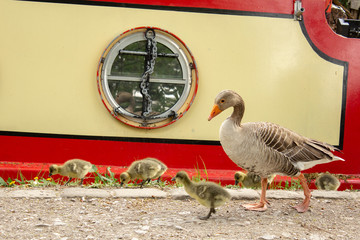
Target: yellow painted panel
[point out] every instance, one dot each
(50, 52)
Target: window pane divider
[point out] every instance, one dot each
(153, 80)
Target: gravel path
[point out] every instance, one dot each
(167, 218)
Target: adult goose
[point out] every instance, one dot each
(266, 148)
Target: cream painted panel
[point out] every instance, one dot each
(49, 56)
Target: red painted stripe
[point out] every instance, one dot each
(118, 153)
(114, 153)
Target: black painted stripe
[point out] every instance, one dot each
(108, 138)
(167, 8)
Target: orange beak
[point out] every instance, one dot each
(214, 112)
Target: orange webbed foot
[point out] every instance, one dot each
(302, 207)
(260, 207)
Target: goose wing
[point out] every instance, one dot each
(299, 150)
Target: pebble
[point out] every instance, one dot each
(267, 237)
(145, 228)
(185, 213)
(286, 234)
(142, 232)
(42, 225)
(58, 222)
(177, 227)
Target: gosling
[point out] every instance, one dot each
(145, 169)
(251, 180)
(208, 194)
(75, 168)
(327, 182)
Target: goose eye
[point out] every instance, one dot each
(222, 101)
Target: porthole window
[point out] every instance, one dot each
(147, 78)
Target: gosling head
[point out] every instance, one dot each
(239, 177)
(180, 177)
(54, 169)
(124, 178)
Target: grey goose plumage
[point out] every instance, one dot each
(267, 148)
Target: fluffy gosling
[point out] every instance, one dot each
(145, 169)
(251, 180)
(75, 168)
(327, 182)
(208, 194)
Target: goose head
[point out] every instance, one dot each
(54, 169)
(124, 178)
(226, 99)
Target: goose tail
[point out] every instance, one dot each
(336, 158)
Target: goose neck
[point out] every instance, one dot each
(238, 113)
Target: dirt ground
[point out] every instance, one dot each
(166, 218)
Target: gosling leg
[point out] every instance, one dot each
(212, 210)
(144, 181)
(158, 180)
(81, 182)
(68, 181)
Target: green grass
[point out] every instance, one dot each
(36, 182)
(108, 179)
(198, 177)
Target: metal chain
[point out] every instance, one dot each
(144, 85)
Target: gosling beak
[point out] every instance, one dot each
(50, 174)
(173, 179)
(236, 182)
(121, 184)
(214, 112)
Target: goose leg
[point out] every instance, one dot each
(304, 206)
(261, 206)
(68, 181)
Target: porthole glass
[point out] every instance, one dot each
(147, 78)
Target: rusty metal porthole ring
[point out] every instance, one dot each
(147, 78)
